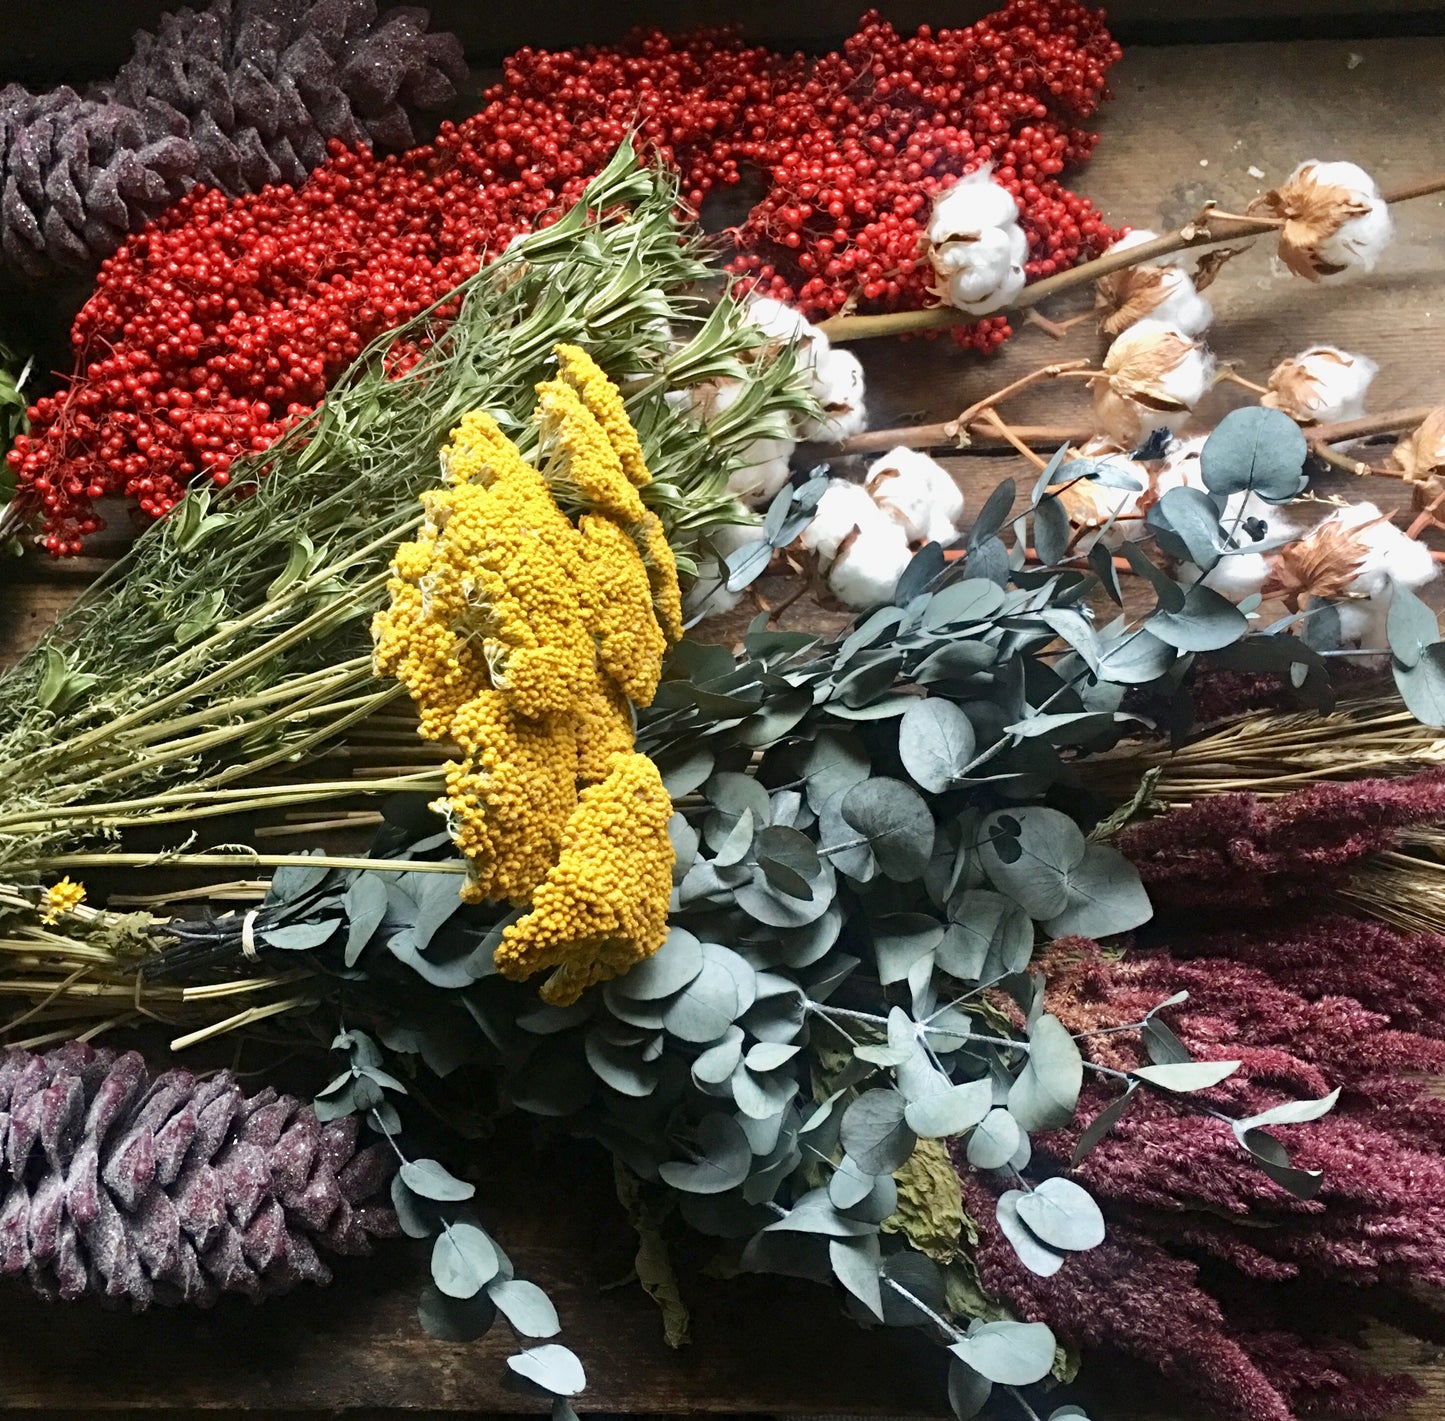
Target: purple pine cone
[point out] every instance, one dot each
(170, 1189)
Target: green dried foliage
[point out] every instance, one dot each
(234, 637)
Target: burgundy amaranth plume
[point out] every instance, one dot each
(1197, 1232)
(172, 1189)
(1232, 851)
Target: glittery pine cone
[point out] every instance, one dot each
(77, 175)
(245, 93)
(170, 1189)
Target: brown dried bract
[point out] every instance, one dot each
(1420, 455)
(1313, 212)
(1134, 294)
(1322, 564)
(1294, 389)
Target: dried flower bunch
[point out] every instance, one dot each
(236, 96)
(529, 642)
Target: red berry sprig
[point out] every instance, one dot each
(224, 320)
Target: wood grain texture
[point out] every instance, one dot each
(95, 38)
(762, 1346)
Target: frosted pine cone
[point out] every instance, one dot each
(172, 1189)
(245, 93)
(261, 85)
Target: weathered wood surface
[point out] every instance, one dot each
(95, 38)
(1188, 124)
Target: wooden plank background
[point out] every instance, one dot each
(1188, 123)
(95, 36)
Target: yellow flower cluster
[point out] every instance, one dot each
(603, 905)
(62, 897)
(526, 639)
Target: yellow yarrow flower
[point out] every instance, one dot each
(604, 729)
(662, 574)
(630, 644)
(581, 456)
(603, 906)
(508, 802)
(604, 400)
(61, 898)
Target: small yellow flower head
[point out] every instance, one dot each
(477, 450)
(662, 574)
(507, 804)
(630, 644)
(61, 898)
(604, 729)
(603, 907)
(604, 400)
(425, 656)
(583, 456)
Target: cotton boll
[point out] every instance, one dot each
(1336, 222)
(866, 570)
(1365, 624)
(917, 493)
(974, 202)
(838, 385)
(1321, 383)
(1092, 503)
(765, 469)
(708, 596)
(780, 322)
(843, 509)
(1421, 453)
(1151, 292)
(976, 245)
(1391, 556)
(988, 272)
(1239, 575)
(1152, 377)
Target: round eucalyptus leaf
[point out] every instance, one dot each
(418, 1217)
(762, 902)
(769, 1055)
(935, 743)
(668, 970)
(454, 1319)
(881, 1201)
(620, 1067)
(910, 1275)
(433, 1180)
(1045, 1092)
(644, 1015)
(1008, 1353)
(1035, 1255)
(950, 1111)
(850, 1185)
(1257, 449)
(968, 1392)
(718, 1062)
(815, 1213)
(552, 1367)
(835, 761)
(875, 1132)
(895, 820)
(723, 1158)
(838, 841)
(1063, 1215)
(706, 1007)
(743, 973)
(526, 1307)
(463, 1260)
(856, 1262)
(994, 1140)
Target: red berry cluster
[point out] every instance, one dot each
(227, 318)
